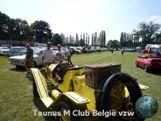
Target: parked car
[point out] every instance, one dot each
(4, 50)
(19, 61)
(75, 50)
(17, 50)
(84, 50)
(91, 50)
(148, 62)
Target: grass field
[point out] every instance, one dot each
(16, 98)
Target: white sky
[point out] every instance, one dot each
(85, 16)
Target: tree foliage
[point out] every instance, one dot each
(158, 39)
(148, 32)
(126, 40)
(4, 26)
(56, 39)
(21, 30)
(113, 44)
(41, 31)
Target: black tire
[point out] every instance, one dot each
(132, 86)
(146, 69)
(18, 67)
(136, 64)
(67, 106)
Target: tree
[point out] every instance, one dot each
(63, 38)
(4, 26)
(56, 39)
(77, 40)
(102, 38)
(113, 44)
(20, 30)
(11, 29)
(158, 39)
(41, 31)
(147, 31)
(126, 40)
(82, 42)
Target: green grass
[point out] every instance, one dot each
(16, 98)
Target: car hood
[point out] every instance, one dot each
(5, 50)
(154, 59)
(20, 57)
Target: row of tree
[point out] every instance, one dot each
(39, 31)
(147, 33)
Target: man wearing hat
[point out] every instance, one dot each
(47, 55)
(29, 60)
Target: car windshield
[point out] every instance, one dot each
(4, 48)
(23, 50)
(151, 55)
(37, 50)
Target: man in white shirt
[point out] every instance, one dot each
(47, 55)
(59, 56)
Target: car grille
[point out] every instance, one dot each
(15, 61)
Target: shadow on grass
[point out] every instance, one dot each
(20, 69)
(156, 72)
(42, 108)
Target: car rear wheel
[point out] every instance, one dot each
(121, 92)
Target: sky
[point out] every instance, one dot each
(86, 16)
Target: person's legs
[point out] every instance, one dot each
(31, 64)
(27, 66)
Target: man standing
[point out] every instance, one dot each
(47, 55)
(29, 60)
(59, 55)
(122, 51)
(68, 53)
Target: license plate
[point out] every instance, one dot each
(14, 63)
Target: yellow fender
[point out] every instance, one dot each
(41, 87)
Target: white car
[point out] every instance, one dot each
(19, 61)
(17, 50)
(4, 50)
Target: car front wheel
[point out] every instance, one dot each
(136, 64)
(63, 108)
(146, 69)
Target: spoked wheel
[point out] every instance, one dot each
(66, 110)
(121, 91)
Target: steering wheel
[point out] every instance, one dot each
(60, 69)
(69, 62)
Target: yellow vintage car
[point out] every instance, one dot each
(93, 92)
